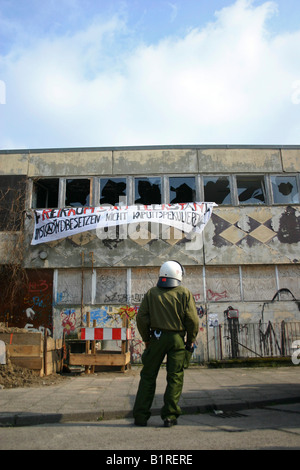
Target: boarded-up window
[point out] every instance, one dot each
(193, 280)
(142, 279)
(73, 287)
(28, 301)
(111, 286)
(259, 282)
(222, 284)
(289, 278)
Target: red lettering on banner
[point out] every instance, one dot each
(46, 213)
(88, 208)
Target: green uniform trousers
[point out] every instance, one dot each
(169, 344)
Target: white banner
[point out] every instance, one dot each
(54, 224)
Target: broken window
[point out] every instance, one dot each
(12, 201)
(77, 192)
(113, 191)
(217, 189)
(251, 189)
(182, 189)
(147, 191)
(45, 193)
(285, 190)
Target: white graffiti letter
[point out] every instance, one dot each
(2, 92)
(295, 358)
(296, 93)
(30, 313)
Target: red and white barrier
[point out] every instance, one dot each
(94, 334)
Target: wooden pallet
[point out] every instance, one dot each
(100, 359)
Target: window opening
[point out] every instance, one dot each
(113, 191)
(77, 192)
(12, 201)
(217, 189)
(45, 193)
(182, 189)
(285, 190)
(147, 191)
(251, 189)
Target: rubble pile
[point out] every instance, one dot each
(13, 376)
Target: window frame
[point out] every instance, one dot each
(34, 182)
(64, 189)
(162, 187)
(232, 191)
(288, 175)
(168, 188)
(266, 189)
(98, 194)
(95, 187)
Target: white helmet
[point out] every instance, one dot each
(170, 274)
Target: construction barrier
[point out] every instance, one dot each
(99, 334)
(92, 358)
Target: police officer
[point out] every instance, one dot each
(166, 315)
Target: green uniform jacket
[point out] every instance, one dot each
(171, 309)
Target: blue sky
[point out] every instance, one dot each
(100, 73)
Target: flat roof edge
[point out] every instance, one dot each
(146, 147)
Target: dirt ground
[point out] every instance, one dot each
(12, 376)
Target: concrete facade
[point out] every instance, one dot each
(250, 249)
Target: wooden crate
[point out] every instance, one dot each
(53, 355)
(34, 351)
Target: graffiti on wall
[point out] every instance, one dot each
(33, 303)
(68, 321)
(216, 296)
(113, 316)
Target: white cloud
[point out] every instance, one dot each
(228, 82)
